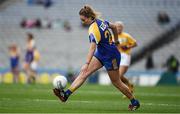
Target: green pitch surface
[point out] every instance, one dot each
(88, 99)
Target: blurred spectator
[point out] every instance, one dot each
(38, 23)
(14, 61)
(39, 2)
(57, 23)
(28, 23)
(149, 61)
(31, 2)
(46, 23)
(163, 17)
(23, 23)
(169, 77)
(31, 23)
(67, 25)
(45, 3)
(172, 64)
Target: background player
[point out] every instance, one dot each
(29, 58)
(102, 52)
(127, 42)
(14, 61)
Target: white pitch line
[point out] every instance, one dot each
(159, 94)
(26, 99)
(116, 92)
(85, 101)
(161, 104)
(149, 104)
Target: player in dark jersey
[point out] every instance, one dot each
(102, 52)
(29, 58)
(14, 61)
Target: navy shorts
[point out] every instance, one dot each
(110, 61)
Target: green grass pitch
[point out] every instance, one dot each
(88, 99)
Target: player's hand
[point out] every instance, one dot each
(118, 46)
(84, 68)
(124, 47)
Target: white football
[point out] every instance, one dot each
(59, 82)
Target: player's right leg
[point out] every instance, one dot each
(94, 65)
(114, 76)
(116, 81)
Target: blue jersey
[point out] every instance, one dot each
(106, 51)
(29, 57)
(14, 61)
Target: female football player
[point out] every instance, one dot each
(102, 52)
(30, 59)
(14, 61)
(127, 42)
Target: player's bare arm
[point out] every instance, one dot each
(89, 56)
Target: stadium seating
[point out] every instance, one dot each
(62, 49)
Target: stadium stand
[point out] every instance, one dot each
(168, 37)
(62, 49)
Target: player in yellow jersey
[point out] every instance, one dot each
(102, 52)
(34, 63)
(127, 42)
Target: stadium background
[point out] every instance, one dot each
(63, 48)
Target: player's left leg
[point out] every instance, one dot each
(15, 73)
(27, 70)
(122, 70)
(33, 71)
(124, 65)
(94, 65)
(33, 76)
